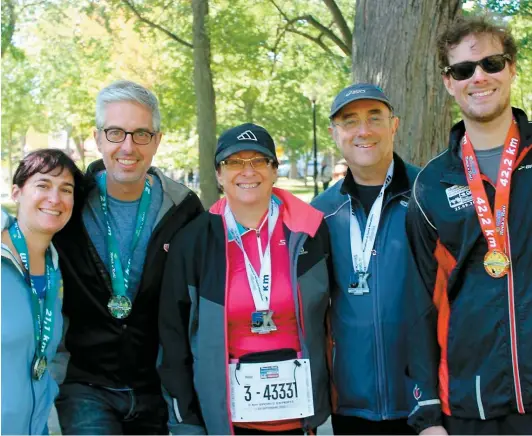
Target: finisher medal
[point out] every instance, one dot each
(493, 222)
(119, 306)
(262, 322)
(496, 263)
(39, 367)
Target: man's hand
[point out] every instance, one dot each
(436, 430)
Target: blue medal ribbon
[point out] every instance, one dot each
(119, 276)
(43, 322)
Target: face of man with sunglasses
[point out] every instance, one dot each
(484, 96)
(247, 178)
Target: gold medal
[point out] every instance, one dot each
(496, 263)
(39, 367)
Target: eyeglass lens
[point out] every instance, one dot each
(490, 64)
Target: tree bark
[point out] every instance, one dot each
(80, 146)
(10, 153)
(395, 47)
(205, 102)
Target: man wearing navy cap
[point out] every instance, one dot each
(366, 217)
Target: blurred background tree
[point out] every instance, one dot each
(217, 63)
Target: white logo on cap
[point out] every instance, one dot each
(355, 91)
(248, 134)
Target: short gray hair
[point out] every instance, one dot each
(124, 90)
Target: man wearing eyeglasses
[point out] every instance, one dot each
(365, 214)
(468, 225)
(112, 255)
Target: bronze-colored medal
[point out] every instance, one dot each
(496, 263)
(39, 367)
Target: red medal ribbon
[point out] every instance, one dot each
(493, 227)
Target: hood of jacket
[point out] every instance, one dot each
(298, 216)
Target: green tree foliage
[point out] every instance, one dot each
(267, 59)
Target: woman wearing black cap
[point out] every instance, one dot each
(242, 315)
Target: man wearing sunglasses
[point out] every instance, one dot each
(468, 224)
(112, 256)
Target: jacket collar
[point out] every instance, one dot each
(7, 221)
(399, 184)
(454, 168)
(297, 215)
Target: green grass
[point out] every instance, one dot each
(298, 188)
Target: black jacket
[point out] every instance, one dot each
(103, 350)
(471, 343)
(193, 315)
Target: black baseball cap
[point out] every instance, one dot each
(359, 91)
(246, 137)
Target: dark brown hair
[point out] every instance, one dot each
(473, 25)
(45, 161)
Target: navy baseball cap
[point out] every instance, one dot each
(246, 137)
(359, 91)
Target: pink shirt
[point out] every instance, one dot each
(240, 303)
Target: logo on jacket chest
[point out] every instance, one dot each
(459, 197)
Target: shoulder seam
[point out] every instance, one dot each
(414, 188)
(336, 211)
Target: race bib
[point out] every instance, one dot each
(271, 391)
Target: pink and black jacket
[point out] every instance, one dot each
(193, 316)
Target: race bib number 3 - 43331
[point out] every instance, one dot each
(271, 391)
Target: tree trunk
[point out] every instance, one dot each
(10, 153)
(205, 102)
(395, 47)
(80, 146)
(67, 143)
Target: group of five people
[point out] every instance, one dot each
(394, 302)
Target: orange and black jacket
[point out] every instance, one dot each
(470, 346)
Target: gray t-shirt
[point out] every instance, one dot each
(123, 219)
(489, 161)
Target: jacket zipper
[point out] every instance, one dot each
(298, 246)
(378, 333)
(382, 397)
(513, 333)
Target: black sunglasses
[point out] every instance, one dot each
(490, 64)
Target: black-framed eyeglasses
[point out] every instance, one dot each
(465, 70)
(351, 124)
(139, 137)
(256, 163)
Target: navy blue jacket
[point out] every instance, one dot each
(369, 331)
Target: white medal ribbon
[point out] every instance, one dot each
(361, 249)
(260, 286)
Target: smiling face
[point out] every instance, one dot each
(247, 186)
(367, 148)
(126, 162)
(45, 201)
(483, 97)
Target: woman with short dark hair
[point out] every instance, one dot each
(45, 185)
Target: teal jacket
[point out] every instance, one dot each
(26, 403)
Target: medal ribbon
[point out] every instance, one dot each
(260, 286)
(494, 228)
(42, 322)
(119, 276)
(361, 248)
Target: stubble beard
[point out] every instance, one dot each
(471, 115)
